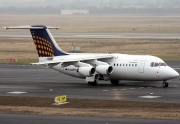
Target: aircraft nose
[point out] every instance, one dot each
(168, 73)
(174, 74)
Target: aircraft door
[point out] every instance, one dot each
(141, 66)
(158, 69)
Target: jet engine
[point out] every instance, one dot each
(104, 69)
(87, 71)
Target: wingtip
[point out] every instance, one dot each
(53, 27)
(5, 28)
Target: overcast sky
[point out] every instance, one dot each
(88, 3)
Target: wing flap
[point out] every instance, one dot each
(45, 63)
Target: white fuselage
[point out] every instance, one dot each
(125, 67)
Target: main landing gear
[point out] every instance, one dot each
(92, 83)
(165, 84)
(96, 79)
(115, 82)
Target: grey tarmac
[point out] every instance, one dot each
(43, 119)
(38, 81)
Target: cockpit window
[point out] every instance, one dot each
(162, 64)
(152, 64)
(156, 64)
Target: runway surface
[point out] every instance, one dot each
(37, 81)
(41, 119)
(97, 35)
(27, 80)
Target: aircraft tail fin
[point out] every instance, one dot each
(45, 44)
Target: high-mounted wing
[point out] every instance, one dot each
(74, 60)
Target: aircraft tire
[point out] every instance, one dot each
(115, 82)
(165, 84)
(92, 83)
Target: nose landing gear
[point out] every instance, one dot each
(165, 84)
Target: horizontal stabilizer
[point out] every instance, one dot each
(30, 27)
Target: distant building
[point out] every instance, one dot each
(73, 12)
(137, 7)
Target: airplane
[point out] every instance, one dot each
(94, 67)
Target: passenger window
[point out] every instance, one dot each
(152, 64)
(132, 65)
(123, 64)
(120, 64)
(114, 64)
(126, 64)
(129, 65)
(136, 65)
(117, 64)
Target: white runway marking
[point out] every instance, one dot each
(175, 85)
(123, 89)
(16, 92)
(149, 97)
(132, 88)
(105, 90)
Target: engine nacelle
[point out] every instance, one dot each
(104, 69)
(87, 71)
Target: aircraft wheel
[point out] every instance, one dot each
(92, 83)
(165, 84)
(114, 82)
